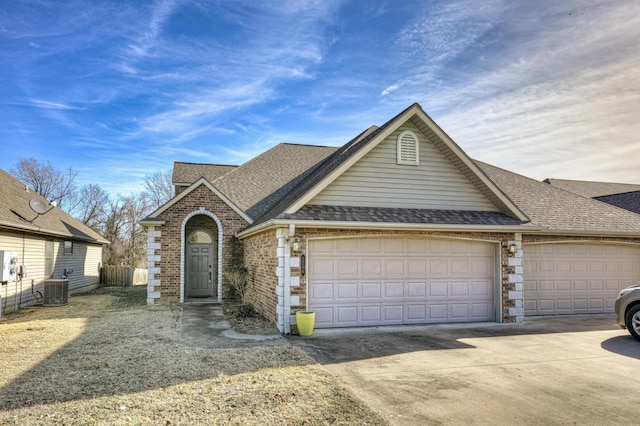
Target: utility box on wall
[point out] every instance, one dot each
(9, 261)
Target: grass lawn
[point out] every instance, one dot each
(108, 359)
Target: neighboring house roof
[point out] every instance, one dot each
(16, 213)
(628, 200)
(592, 189)
(184, 174)
(562, 211)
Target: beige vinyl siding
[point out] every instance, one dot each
(85, 261)
(378, 181)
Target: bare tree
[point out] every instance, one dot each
(89, 206)
(158, 188)
(54, 184)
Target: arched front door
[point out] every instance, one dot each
(201, 264)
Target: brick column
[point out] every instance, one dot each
(516, 282)
(153, 259)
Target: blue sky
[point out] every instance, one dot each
(118, 89)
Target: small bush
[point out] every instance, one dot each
(236, 275)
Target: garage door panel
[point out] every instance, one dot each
(459, 289)
(460, 267)
(438, 268)
(480, 310)
(401, 280)
(322, 292)
(459, 311)
(371, 314)
(417, 268)
(438, 312)
(597, 272)
(371, 290)
(347, 291)
(394, 267)
(438, 290)
(393, 245)
(597, 304)
(372, 267)
(324, 316)
(480, 288)
(347, 268)
(417, 313)
(347, 314)
(393, 314)
(393, 290)
(417, 290)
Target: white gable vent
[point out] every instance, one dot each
(408, 144)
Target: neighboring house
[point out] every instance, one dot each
(44, 242)
(623, 195)
(398, 226)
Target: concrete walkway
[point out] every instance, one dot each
(205, 326)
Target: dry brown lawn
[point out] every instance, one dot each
(108, 359)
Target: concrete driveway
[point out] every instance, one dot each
(555, 370)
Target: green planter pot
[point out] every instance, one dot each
(305, 320)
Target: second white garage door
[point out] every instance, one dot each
(571, 278)
(380, 281)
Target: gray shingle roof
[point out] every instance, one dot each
(257, 184)
(187, 173)
(628, 200)
(561, 210)
(15, 213)
(396, 215)
(592, 189)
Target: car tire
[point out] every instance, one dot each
(632, 321)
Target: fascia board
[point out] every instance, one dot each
(44, 231)
(453, 146)
(386, 226)
(191, 188)
(302, 201)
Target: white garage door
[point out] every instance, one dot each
(379, 281)
(577, 278)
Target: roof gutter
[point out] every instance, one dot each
(43, 231)
(579, 233)
(385, 226)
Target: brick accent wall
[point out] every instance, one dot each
(166, 261)
(261, 260)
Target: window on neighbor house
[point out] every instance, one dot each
(48, 258)
(408, 148)
(68, 247)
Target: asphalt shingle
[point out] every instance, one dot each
(15, 212)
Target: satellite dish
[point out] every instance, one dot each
(38, 206)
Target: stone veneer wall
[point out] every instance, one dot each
(166, 245)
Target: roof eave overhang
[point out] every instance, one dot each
(34, 229)
(148, 223)
(384, 226)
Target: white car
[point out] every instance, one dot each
(628, 310)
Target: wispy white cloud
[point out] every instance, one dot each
(41, 103)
